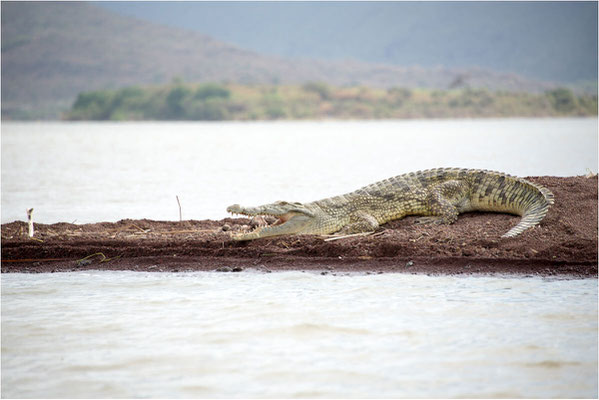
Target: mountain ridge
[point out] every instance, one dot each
(51, 52)
(554, 41)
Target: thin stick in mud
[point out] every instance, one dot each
(178, 202)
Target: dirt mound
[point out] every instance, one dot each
(564, 243)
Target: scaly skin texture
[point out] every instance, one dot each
(437, 194)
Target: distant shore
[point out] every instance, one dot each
(565, 243)
(220, 102)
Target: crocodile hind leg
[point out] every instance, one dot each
(444, 201)
(361, 222)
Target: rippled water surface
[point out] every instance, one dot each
(294, 334)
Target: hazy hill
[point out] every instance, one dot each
(555, 41)
(53, 51)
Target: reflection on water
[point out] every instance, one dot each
(293, 334)
(90, 172)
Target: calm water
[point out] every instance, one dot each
(89, 172)
(292, 334)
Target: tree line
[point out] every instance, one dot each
(317, 100)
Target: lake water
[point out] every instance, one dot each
(90, 172)
(293, 334)
(288, 334)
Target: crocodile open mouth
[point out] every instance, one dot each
(281, 223)
(274, 219)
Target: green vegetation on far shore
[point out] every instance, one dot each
(213, 102)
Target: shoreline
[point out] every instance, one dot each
(564, 244)
(325, 266)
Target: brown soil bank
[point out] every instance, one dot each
(565, 243)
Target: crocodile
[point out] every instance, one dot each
(438, 195)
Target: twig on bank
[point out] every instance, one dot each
(130, 226)
(141, 229)
(330, 239)
(92, 255)
(30, 221)
(86, 260)
(178, 202)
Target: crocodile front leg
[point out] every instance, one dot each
(360, 222)
(445, 201)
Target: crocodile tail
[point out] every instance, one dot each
(533, 207)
